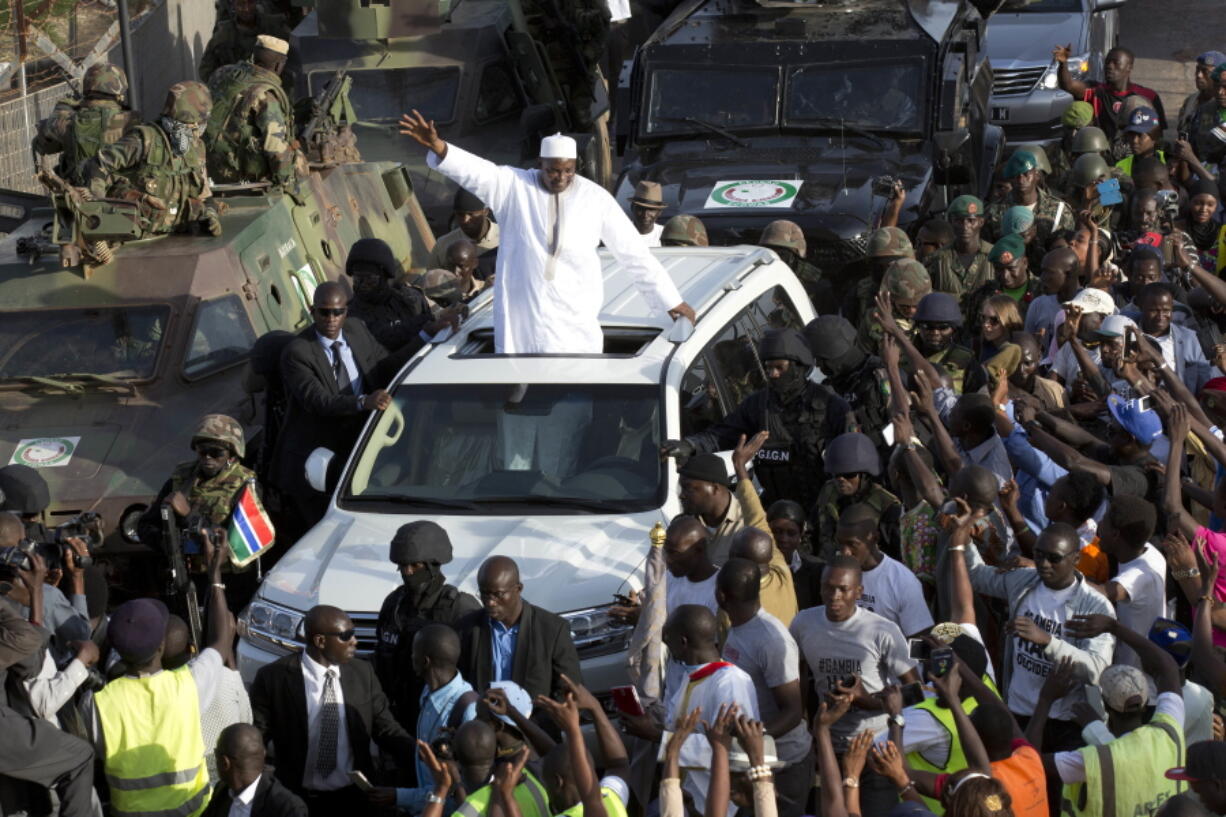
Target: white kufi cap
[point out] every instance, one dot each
(559, 147)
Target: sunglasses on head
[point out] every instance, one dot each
(330, 313)
(1049, 557)
(212, 451)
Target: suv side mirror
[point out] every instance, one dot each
(947, 169)
(1107, 5)
(317, 463)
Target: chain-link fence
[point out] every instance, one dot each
(18, 119)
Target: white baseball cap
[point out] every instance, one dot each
(1091, 299)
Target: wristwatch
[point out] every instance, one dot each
(431, 797)
(851, 782)
(1190, 573)
(898, 720)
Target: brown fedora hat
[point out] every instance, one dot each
(648, 194)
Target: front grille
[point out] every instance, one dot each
(1032, 132)
(1016, 81)
(831, 256)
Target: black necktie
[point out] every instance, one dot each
(329, 727)
(343, 384)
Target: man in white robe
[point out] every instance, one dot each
(548, 287)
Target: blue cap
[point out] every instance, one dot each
(938, 307)
(1143, 120)
(1172, 637)
(137, 629)
(1211, 58)
(1144, 425)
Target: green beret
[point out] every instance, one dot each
(1078, 115)
(1022, 161)
(965, 206)
(1007, 249)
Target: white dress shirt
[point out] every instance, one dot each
(313, 681)
(351, 365)
(240, 806)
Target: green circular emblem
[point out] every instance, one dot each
(755, 193)
(45, 452)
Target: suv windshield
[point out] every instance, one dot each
(879, 96)
(1045, 6)
(117, 341)
(507, 448)
(734, 99)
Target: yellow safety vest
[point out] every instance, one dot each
(154, 751)
(1125, 164)
(1124, 777)
(956, 760)
(530, 795)
(613, 805)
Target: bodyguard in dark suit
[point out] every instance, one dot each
(512, 640)
(334, 374)
(246, 786)
(320, 710)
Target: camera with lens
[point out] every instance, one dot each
(18, 557)
(441, 746)
(94, 680)
(1168, 207)
(884, 186)
(87, 527)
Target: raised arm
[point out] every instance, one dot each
(925, 481)
(946, 452)
(1064, 455)
(566, 716)
(616, 759)
(1155, 661)
(1075, 87)
(885, 316)
(828, 713)
(1205, 658)
(1172, 497)
(962, 597)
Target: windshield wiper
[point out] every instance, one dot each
(727, 134)
(104, 379)
(831, 124)
(49, 382)
(425, 501)
(593, 505)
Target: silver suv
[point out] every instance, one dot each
(1026, 98)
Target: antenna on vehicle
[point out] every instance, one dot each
(843, 151)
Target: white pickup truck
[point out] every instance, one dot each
(549, 459)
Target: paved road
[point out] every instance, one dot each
(1166, 36)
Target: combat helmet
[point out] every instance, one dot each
(188, 102)
(1089, 169)
(685, 231)
(1040, 157)
(1090, 139)
(907, 281)
(218, 428)
(104, 79)
(785, 235)
(889, 242)
(851, 453)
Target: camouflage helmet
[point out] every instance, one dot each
(1077, 115)
(1089, 169)
(907, 281)
(219, 428)
(439, 285)
(1090, 139)
(1040, 157)
(684, 231)
(188, 102)
(889, 242)
(784, 234)
(104, 79)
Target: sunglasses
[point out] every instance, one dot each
(936, 327)
(990, 320)
(1049, 557)
(343, 635)
(329, 313)
(212, 452)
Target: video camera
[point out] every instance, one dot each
(883, 186)
(18, 557)
(1168, 207)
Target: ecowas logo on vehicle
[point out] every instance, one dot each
(753, 193)
(45, 452)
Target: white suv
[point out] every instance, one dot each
(549, 459)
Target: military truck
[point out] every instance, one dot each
(747, 111)
(475, 69)
(106, 369)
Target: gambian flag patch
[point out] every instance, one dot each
(251, 532)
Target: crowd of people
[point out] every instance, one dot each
(969, 559)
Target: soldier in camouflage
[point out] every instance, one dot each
(1076, 116)
(938, 321)
(857, 377)
(573, 34)
(854, 465)
(801, 416)
(250, 133)
(79, 127)
(234, 36)
(203, 492)
(1050, 213)
(962, 267)
(1012, 278)
(885, 246)
(788, 241)
(684, 231)
(906, 281)
(161, 168)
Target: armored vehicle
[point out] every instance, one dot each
(747, 111)
(476, 69)
(106, 369)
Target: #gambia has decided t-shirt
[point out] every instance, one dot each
(1047, 608)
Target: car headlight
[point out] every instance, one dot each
(596, 633)
(1078, 68)
(264, 621)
